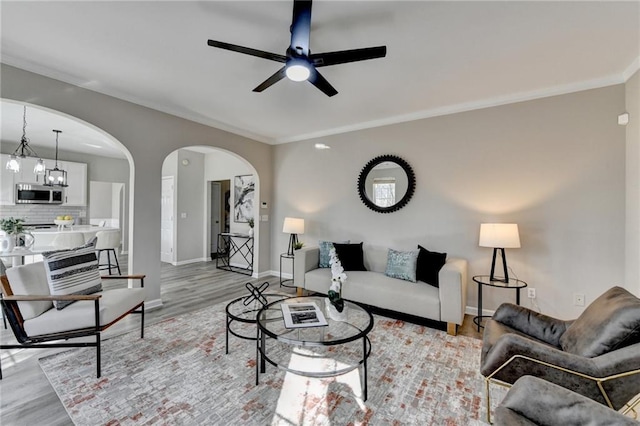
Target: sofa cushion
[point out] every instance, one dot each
(72, 271)
(429, 265)
(325, 248)
(113, 304)
(402, 265)
(611, 322)
(30, 280)
(350, 256)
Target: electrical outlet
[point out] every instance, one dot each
(578, 299)
(531, 293)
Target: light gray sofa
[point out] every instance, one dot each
(372, 287)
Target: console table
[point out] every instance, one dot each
(235, 253)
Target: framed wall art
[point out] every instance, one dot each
(244, 195)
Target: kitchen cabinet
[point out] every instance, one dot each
(76, 192)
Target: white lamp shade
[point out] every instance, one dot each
(293, 225)
(499, 235)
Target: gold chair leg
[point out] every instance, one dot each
(488, 392)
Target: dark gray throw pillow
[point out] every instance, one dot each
(429, 265)
(611, 322)
(351, 256)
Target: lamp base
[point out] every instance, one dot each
(293, 240)
(492, 277)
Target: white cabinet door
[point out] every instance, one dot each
(7, 184)
(76, 192)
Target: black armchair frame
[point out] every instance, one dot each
(12, 313)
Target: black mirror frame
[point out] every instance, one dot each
(411, 178)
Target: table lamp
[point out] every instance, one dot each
(499, 236)
(293, 226)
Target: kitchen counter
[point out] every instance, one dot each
(44, 237)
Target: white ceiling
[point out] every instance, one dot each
(75, 137)
(442, 57)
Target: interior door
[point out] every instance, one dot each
(215, 217)
(166, 220)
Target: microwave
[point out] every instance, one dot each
(28, 193)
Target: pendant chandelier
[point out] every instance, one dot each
(23, 151)
(56, 176)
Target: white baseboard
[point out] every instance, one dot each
(186, 262)
(150, 305)
(263, 274)
(473, 310)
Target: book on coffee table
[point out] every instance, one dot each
(299, 315)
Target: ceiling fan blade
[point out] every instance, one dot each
(344, 56)
(279, 75)
(321, 83)
(301, 27)
(247, 51)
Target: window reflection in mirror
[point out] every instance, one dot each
(386, 183)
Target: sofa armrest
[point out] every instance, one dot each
(453, 290)
(304, 260)
(511, 355)
(35, 298)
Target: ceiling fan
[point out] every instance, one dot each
(300, 63)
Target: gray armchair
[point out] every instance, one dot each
(597, 355)
(533, 401)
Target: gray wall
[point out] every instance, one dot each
(101, 204)
(148, 136)
(555, 166)
(190, 201)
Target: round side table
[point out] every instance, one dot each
(485, 280)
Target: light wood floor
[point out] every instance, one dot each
(27, 398)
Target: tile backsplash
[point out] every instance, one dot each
(44, 213)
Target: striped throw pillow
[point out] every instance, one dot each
(73, 271)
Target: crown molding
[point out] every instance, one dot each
(92, 85)
(464, 107)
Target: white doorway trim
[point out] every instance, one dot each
(167, 222)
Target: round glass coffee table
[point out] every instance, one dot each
(316, 351)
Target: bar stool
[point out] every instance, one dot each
(67, 240)
(108, 241)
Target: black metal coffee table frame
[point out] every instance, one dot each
(262, 332)
(249, 312)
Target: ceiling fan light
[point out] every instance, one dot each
(298, 72)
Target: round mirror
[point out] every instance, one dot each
(386, 183)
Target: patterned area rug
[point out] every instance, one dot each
(179, 374)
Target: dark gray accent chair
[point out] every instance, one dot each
(533, 401)
(596, 355)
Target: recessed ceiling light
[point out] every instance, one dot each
(322, 146)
